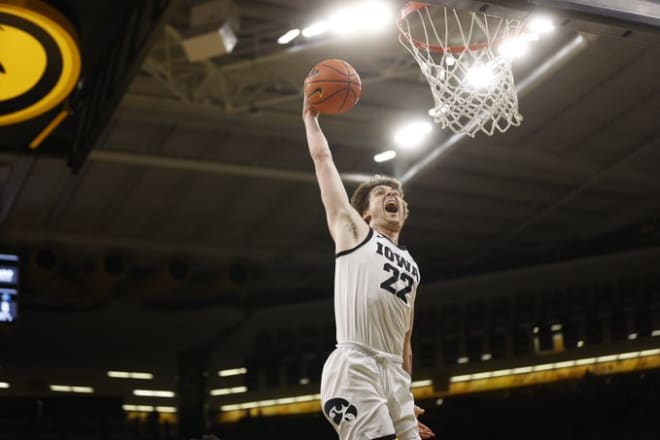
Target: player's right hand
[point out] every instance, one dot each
(308, 112)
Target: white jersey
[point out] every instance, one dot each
(375, 287)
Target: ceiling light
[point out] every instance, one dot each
(4, 385)
(367, 16)
(225, 391)
(480, 77)
(130, 407)
(232, 372)
(385, 156)
(344, 21)
(530, 36)
(315, 29)
(514, 47)
(71, 389)
(130, 375)
(413, 134)
(6, 275)
(82, 389)
(374, 15)
(463, 360)
(486, 357)
(540, 25)
(153, 393)
(289, 36)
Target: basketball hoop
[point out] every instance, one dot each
(472, 85)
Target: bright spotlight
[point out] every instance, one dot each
(365, 16)
(513, 47)
(480, 77)
(289, 36)
(413, 134)
(375, 15)
(315, 29)
(344, 21)
(540, 25)
(385, 156)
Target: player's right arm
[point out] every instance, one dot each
(346, 226)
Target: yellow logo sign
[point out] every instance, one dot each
(39, 59)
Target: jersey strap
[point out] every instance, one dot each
(348, 251)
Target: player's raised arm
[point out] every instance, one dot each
(344, 223)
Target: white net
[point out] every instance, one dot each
(472, 83)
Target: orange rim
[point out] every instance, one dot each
(411, 7)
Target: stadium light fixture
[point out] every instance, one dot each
(288, 36)
(153, 393)
(315, 29)
(366, 16)
(412, 134)
(232, 372)
(480, 77)
(515, 47)
(71, 389)
(540, 25)
(130, 375)
(385, 156)
(148, 408)
(225, 391)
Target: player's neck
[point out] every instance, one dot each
(389, 233)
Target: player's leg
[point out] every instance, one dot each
(352, 399)
(401, 404)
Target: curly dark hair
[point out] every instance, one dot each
(360, 197)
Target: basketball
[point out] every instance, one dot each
(333, 87)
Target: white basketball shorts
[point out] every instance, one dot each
(366, 395)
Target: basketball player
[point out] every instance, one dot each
(365, 387)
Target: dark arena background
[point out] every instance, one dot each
(165, 266)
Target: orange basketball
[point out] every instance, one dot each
(332, 87)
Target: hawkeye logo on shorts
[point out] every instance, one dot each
(340, 410)
(39, 60)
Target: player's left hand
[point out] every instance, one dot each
(424, 431)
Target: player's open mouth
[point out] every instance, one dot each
(392, 206)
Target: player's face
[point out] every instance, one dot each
(387, 206)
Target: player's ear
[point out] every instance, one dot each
(366, 215)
